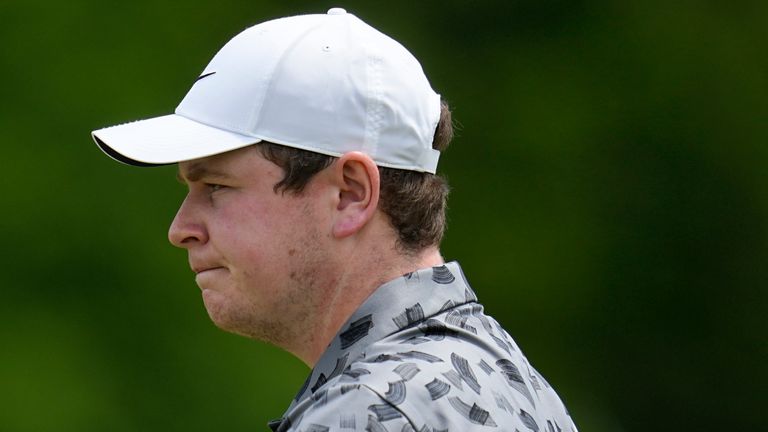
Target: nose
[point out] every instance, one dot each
(187, 229)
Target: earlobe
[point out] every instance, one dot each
(358, 179)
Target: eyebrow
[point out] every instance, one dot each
(198, 171)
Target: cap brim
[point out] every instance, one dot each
(166, 140)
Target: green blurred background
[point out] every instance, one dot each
(609, 206)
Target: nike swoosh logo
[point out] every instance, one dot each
(204, 75)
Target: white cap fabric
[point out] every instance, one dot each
(325, 83)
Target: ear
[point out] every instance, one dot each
(357, 178)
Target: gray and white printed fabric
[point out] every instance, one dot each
(420, 355)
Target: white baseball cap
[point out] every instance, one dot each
(324, 83)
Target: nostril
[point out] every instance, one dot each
(179, 236)
(186, 235)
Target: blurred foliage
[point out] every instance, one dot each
(609, 206)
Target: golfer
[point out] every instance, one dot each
(313, 221)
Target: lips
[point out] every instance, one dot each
(204, 269)
(201, 266)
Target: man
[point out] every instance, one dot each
(313, 221)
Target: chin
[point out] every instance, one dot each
(223, 315)
(225, 321)
(241, 322)
(216, 306)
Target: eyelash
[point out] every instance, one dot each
(213, 187)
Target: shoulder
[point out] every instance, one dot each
(458, 371)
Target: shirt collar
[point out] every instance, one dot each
(397, 304)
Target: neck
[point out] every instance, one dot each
(362, 274)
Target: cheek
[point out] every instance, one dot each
(261, 239)
(256, 264)
(238, 234)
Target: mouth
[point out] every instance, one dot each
(208, 277)
(200, 271)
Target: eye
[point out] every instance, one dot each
(213, 187)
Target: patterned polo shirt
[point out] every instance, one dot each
(420, 355)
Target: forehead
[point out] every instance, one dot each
(229, 164)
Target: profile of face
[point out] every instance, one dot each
(257, 253)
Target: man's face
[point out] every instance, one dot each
(257, 254)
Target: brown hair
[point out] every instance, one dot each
(413, 201)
